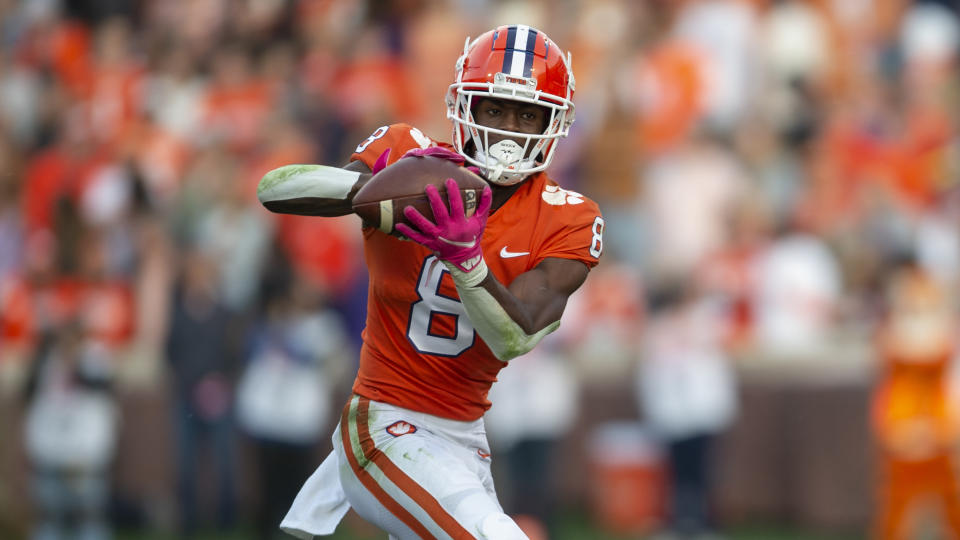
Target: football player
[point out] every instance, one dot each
(448, 310)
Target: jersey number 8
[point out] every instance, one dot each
(431, 302)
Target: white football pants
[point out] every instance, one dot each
(416, 475)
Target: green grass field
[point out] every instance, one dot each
(573, 526)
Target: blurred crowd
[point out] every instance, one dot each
(767, 169)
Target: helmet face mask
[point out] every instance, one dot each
(516, 63)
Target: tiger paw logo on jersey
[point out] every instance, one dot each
(401, 428)
(558, 196)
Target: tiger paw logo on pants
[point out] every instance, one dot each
(401, 428)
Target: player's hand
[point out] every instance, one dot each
(454, 237)
(433, 151)
(437, 152)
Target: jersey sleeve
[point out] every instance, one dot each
(399, 138)
(577, 234)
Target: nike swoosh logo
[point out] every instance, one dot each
(510, 254)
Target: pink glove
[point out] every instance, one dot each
(455, 238)
(440, 152)
(436, 151)
(433, 151)
(381, 162)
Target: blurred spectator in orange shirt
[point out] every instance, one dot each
(730, 273)
(113, 98)
(671, 80)
(18, 294)
(724, 33)
(163, 143)
(238, 101)
(59, 44)
(60, 171)
(68, 274)
(602, 323)
(330, 264)
(914, 412)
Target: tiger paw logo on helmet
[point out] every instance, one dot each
(400, 427)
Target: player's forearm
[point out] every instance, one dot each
(310, 190)
(501, 319)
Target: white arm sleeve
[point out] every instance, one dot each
(306, 181)
(499, 331)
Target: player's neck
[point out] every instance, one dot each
(503, 193)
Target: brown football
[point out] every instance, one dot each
(380, 202)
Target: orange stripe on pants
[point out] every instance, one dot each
(371, 484)
(406, 484)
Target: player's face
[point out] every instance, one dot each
(510, 115)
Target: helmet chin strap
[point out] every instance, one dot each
(499, 157)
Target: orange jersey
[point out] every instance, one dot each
(913, 391)
(419, 349)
